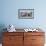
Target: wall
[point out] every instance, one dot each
(9, 13)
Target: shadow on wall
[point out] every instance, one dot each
(2, 26)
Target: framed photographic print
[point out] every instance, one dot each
(25, 13)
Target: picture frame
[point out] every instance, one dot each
(26, 13)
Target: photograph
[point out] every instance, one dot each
(25, 13)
